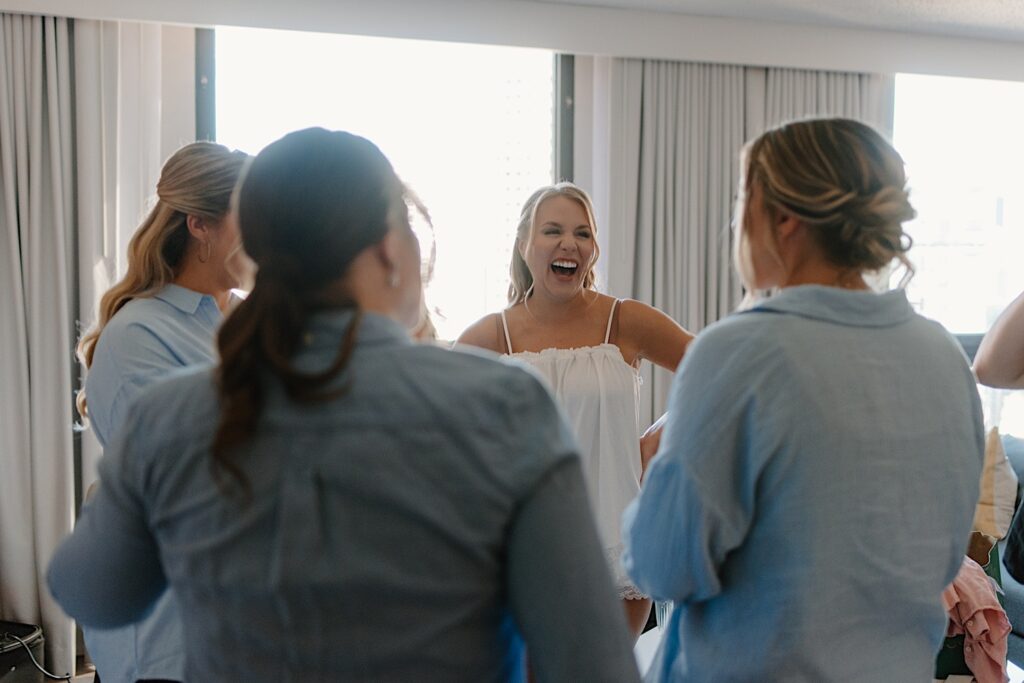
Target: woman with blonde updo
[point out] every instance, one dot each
(815, 484)
(183, 262)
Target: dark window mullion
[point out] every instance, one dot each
(564, 106)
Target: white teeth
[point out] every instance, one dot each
(564, 264)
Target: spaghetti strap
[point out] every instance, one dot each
(608, 331)
(504, 328)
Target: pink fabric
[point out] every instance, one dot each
(974, 610)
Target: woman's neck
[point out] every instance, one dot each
(822, 273)
(545, 309)
(204, 283)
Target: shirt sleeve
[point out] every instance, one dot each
(142, 358)
(108, 572)
(560, 591)
(697, 500)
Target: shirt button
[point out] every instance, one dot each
(970, 622)
(969, 648)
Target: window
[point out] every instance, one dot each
(468, 127)
(963, 143)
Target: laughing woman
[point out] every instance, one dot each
(589, 347)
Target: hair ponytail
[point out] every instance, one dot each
(307, 206)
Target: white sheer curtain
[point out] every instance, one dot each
(660, 153)
(36, 320)
(118, 72)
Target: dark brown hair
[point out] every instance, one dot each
(307, 206)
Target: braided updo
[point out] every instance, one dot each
(841, 179)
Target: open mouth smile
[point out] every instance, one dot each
(564, 267)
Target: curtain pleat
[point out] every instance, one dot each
(798, 93)
(691, 129)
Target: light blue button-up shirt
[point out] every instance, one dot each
(812, 495)
(144, 342)
(417, 527)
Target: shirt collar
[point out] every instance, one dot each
(185, 300)
(326, 327)
(842, 306)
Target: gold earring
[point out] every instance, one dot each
(209, 252)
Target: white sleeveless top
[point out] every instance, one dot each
(600, 394)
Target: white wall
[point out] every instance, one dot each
(581, 30)
(177, 88)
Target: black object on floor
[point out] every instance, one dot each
(15, 663)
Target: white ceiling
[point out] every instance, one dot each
(987, 19)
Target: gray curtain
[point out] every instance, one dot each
(691, 127)
(778, 95)
(77, 163)
(671, 133)
(36, 320)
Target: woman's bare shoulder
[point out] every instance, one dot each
(635, 311)
(484, 333)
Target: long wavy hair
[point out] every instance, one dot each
(196, 180)
(307, 206)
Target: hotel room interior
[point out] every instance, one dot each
(644, 103)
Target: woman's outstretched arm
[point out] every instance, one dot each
(1000, 359)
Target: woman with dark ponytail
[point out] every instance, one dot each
(334, 501)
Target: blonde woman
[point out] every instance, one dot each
(589, 347)
(816, 481)
(183, 262)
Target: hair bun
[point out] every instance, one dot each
(871, 232)
(842, 179)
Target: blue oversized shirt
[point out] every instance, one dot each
(145, 341)
(812, 495)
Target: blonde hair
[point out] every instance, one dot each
(197, 180)
(841, 179)
(521, 279)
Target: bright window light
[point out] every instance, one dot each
(963, 143)
(468, 127)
